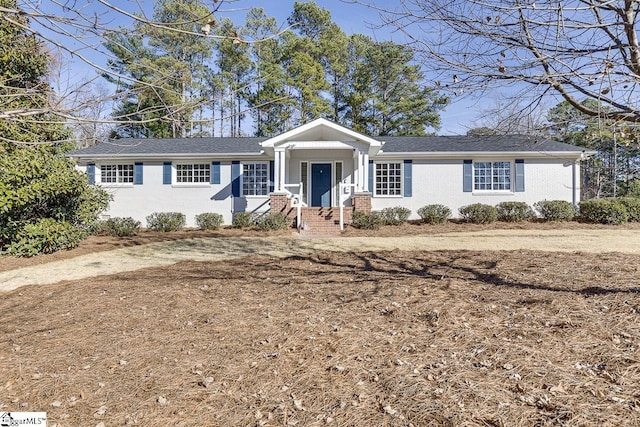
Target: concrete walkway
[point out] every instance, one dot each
(217, 249)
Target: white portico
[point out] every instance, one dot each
(317, 157)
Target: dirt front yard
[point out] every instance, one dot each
(392, 332)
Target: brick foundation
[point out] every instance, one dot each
(279, 202)
(361, 202)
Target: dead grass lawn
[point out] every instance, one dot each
(365, 339)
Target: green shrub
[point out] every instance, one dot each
(395, 216)
(367, 221)
(633, 189)
(45, 236)
(118, 227)
(603, 211)
(274, 221)
(555, 210)
(434, 214)
(514, 212)
(209, 221)
(632, 204)
(166, 221)
(479, 213)
(243, 220)
(40, 189)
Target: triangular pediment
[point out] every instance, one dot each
(322, 130)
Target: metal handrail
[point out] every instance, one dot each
(341, 200)
(296, 201)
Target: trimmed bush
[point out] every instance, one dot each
(117, 227)
(603, 211)
(479, 213)
(395, 216)
(44, 236)
(209, 221)
(514, 212)
(633, 189)
(367, 221)
(632, 204)
(555, 210)
(434, 214)
(243, 220)
(275, 221)
(166, 221)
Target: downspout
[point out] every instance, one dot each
(574, 179)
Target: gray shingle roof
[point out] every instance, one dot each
(172, 146)
(399, 144)
(458, 144)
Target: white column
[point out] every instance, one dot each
(365, 173)
(575, 187)
(276, 171)
(283, 161)
(361, 184)
(356, 170)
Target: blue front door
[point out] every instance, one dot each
(321, 184)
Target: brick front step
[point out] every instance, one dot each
(323, 221)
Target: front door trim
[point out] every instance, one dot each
(321, 187)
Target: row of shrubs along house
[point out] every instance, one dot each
(322, 166)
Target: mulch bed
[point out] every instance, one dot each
(364, 339)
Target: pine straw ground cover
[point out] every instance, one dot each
(365, 339)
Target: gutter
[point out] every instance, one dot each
(467, 154)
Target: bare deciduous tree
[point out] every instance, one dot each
(76, 32)
(577, 49)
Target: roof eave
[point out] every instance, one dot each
(138, 156)
(467, 154)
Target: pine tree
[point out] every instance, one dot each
(161, 77)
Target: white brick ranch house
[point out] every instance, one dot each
(321, 166)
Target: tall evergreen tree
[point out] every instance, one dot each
(45, 204)
(161, 77)
(402, 104)
(268, 101)
(233, 74)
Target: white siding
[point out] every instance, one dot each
(440, 181)
(433, 181)
(139, 201)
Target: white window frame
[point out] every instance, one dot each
(494, 172)
(243, 180)
(192, 182)
(400, 176)
(119, 174)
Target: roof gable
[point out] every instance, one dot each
(321, 130)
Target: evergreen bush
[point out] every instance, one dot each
(243, 220)
(44, 236)
(514, 212)
(396, 215)
(555, 210)
(46, 204)
(209, 221)
(479, 213)
(275, 221)
(166, 221)
(367, 221)
(434, 214)
(632, 204)
(117, 227)
(603, 211)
